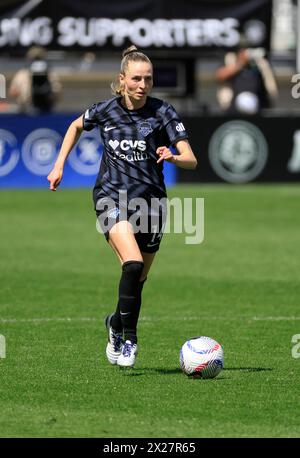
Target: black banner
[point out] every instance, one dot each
(149, 24)
(242, 150)
(136, 447)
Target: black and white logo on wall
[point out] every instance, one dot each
(9, 153)
(40, 149)
(293, 165)
(86, 157)
(238, 151)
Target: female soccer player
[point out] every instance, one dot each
(136, 132)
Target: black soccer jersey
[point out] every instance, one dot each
(130, 139)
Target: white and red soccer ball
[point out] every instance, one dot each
(201, 357)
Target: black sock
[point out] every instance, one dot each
(116, 321)
(129, 304)
(139, 300)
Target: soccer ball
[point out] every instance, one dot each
(201, 357)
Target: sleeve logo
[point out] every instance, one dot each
(180, 127)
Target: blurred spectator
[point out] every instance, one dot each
(87, 62)
(35, 88)
(248, 83)
(6, 107)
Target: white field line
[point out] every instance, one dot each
(150, 319)
(45, 320)
(276, 318)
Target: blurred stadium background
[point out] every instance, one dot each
(58, 280)
(187, 45)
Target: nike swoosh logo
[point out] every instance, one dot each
(125, 313)
(107, 128)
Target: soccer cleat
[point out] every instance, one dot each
(128, 354)
(115, 342)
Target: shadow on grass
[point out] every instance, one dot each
(248, 369)
(150, 370)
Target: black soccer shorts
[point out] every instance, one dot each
(148, 223)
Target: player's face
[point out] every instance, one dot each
(138, 80)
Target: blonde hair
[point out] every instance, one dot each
(131, 54)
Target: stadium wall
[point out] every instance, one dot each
(244, 149)
(29, 146)
(228, 149)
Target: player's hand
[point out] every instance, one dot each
(55, 177)
(164, 154)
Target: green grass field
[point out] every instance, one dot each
(240, 286)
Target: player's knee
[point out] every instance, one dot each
(133, 268)
(129, 283)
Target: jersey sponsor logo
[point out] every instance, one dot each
(129, 150)
(107, 128)
(180, 127)
(113, 144)
(135, 156)
(9, 154)
(145, 128)
(135, 148)
(126, 145)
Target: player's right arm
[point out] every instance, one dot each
(71, 138)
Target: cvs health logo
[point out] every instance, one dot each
(126, 145)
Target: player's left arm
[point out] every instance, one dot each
(184, 159)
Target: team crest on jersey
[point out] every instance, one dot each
(145, 128)
(113, 212)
